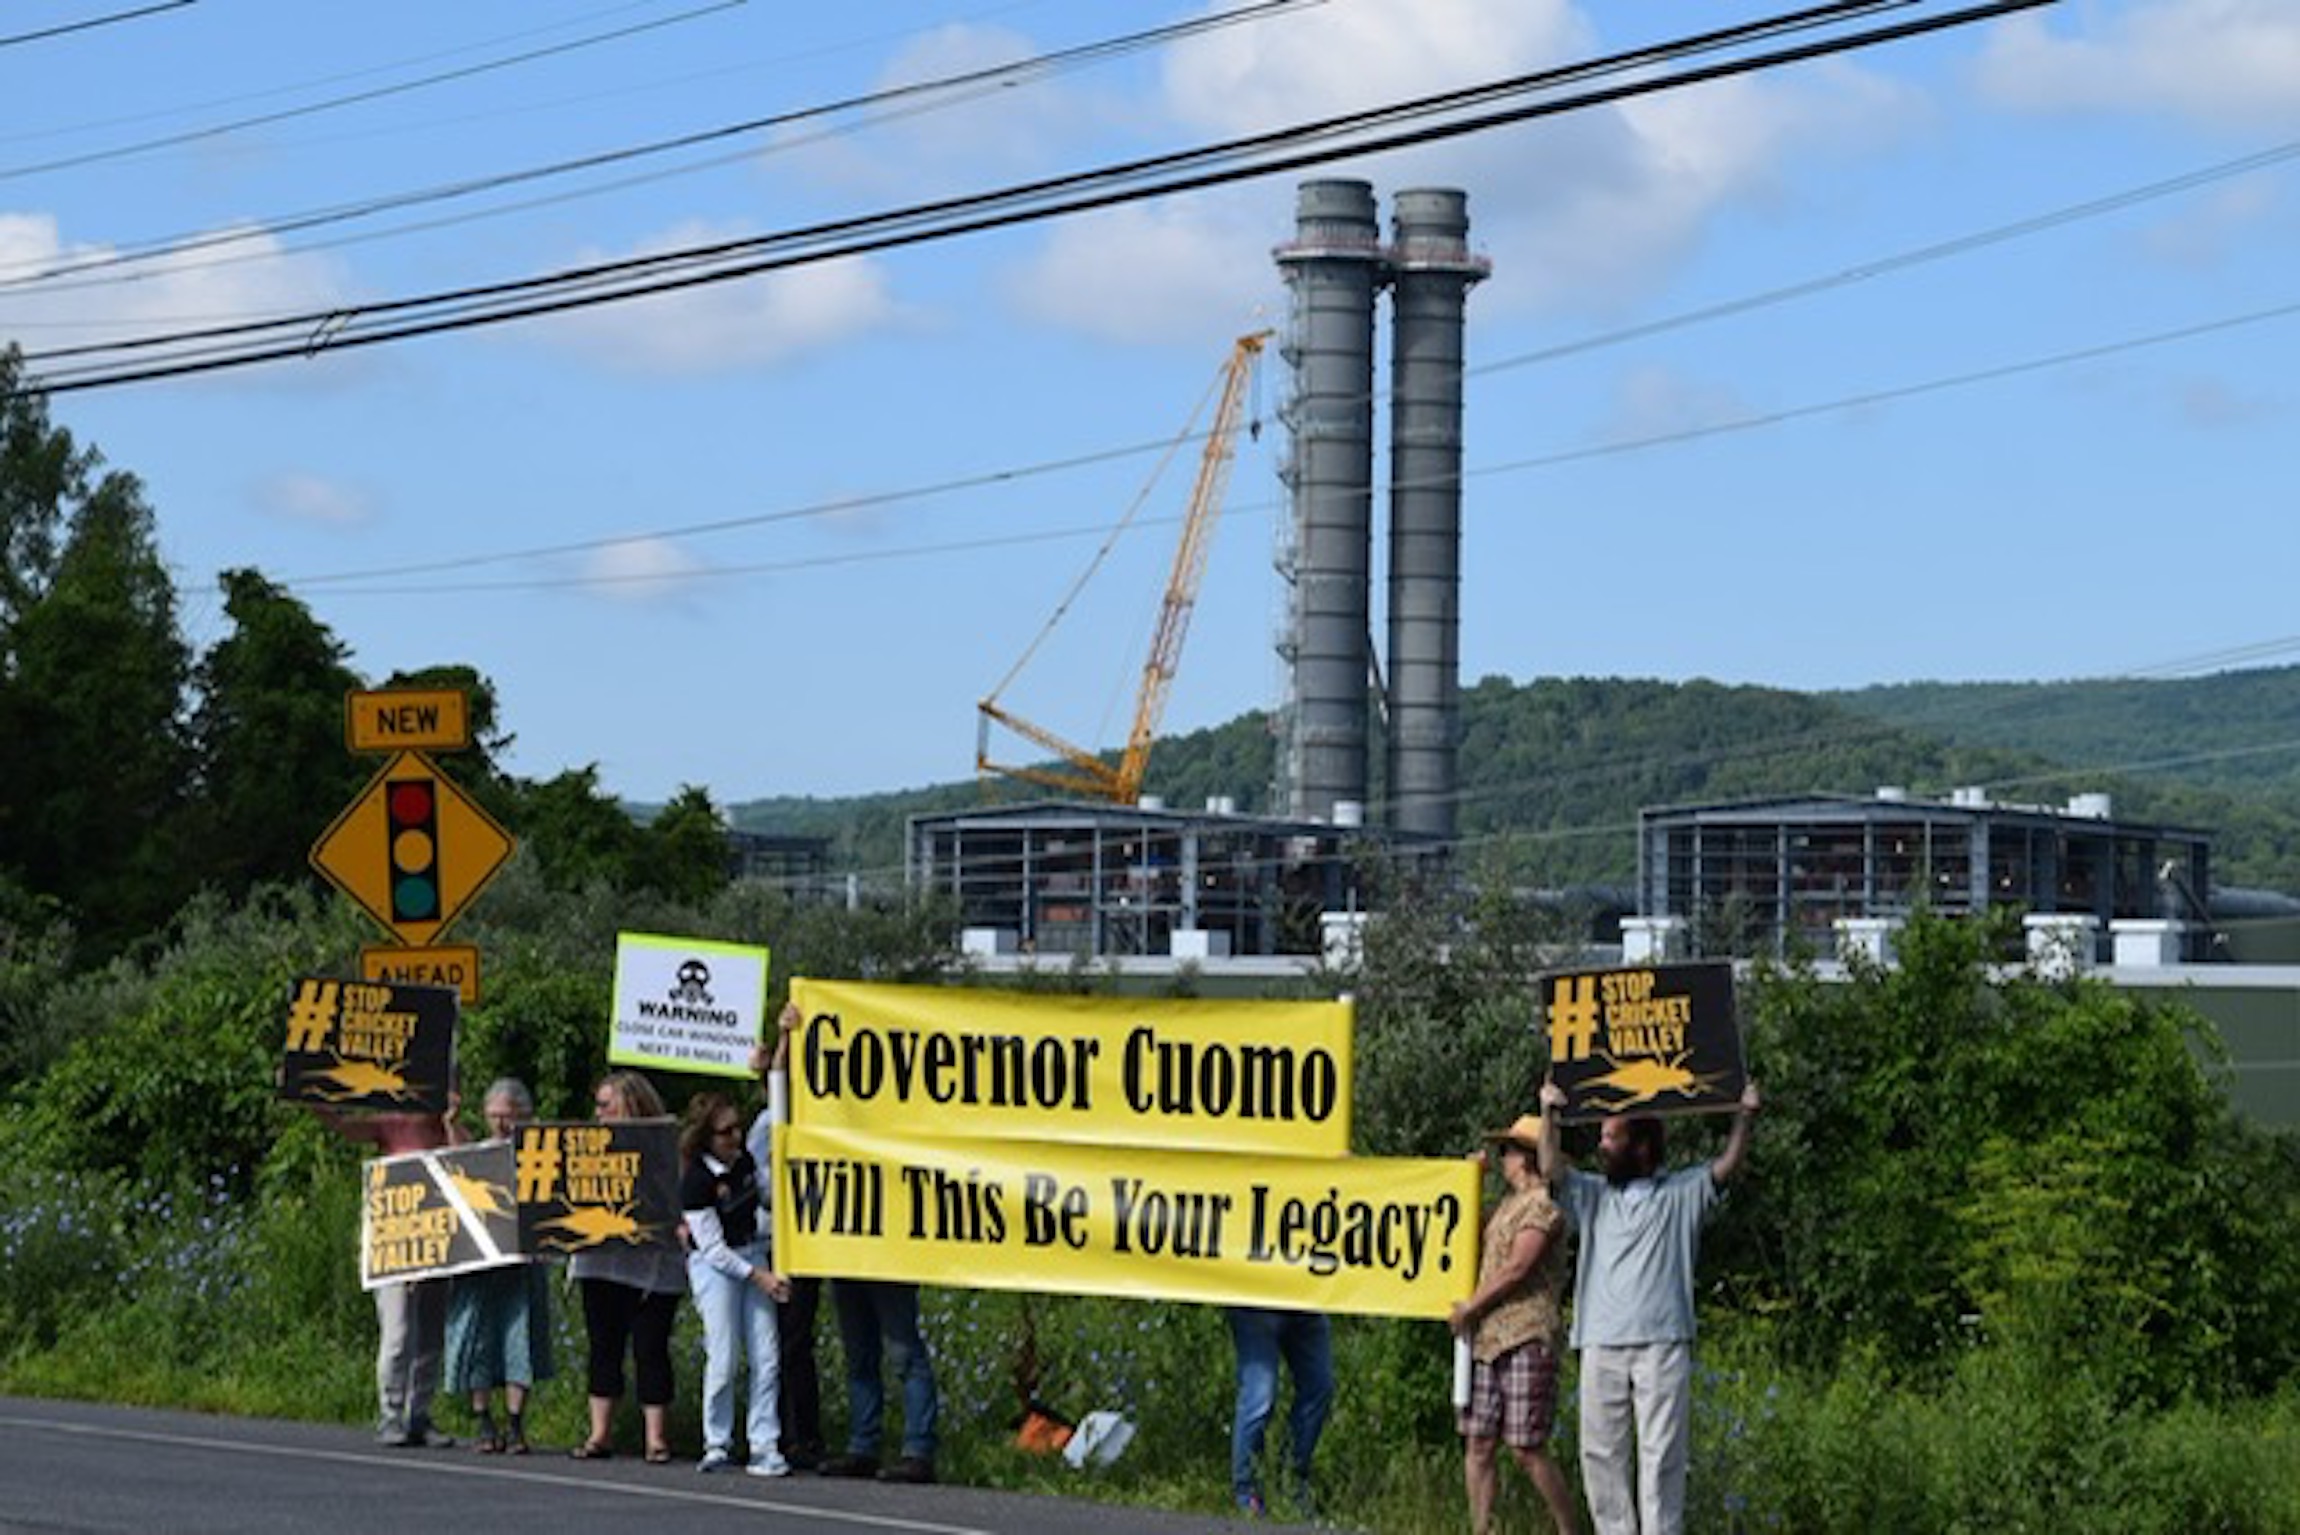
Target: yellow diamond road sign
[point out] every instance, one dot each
(413, 849)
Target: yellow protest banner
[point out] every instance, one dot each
(1372, 1236)
(1267, 1077)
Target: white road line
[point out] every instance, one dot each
(417, 1460)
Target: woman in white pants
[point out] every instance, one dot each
(734, 1288)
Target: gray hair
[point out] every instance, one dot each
(522, 1101)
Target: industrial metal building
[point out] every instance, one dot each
(1072, 878)
(1823, 873)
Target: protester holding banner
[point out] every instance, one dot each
(878, 1324)
(1640, 1230)
(1512, 1323)
(411, 1315)
(800, 1393)
(734, 1288)
(630, 1299)
(499, 1319)
(1261, 1336)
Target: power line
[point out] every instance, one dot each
(344, 580)
(1259, 155)
(955, 87)
(355, 98)
(63, 29)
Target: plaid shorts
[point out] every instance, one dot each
(1514, 1399)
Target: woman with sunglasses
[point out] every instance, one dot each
(735, 1290)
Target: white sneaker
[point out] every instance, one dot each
(714, 1460)
(769, 1465)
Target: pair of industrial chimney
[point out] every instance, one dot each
(1336, 266)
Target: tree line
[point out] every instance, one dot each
(139, 772)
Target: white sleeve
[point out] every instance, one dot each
(711, 1244)
(761, 1144)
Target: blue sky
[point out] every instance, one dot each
(1980, 465)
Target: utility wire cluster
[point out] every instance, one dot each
(1769, 43)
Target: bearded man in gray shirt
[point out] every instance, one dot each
(1640, 1231)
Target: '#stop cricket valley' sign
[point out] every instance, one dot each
(413, 849)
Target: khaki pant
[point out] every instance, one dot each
(1636, 1427)
(412, 1318)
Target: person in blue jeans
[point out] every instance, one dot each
(1304, 1339)
(878, 1324)
(735, 1288)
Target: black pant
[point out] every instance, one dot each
(616, 1314)
(801, 1401)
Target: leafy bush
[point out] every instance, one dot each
(2048, 1162)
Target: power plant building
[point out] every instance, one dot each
(1828, 874)
(1104, 879)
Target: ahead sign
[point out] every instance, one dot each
(413, 849)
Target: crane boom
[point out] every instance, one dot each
(1087, 773)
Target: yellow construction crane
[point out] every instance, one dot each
(1086, 772)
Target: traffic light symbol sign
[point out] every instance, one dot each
(413, 849)
(411, 809)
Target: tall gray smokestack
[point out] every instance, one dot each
(1432, 272)
(1333, 266)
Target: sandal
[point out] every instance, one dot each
(658, 1455)
(591, 1449)
(489, 1443)
(516, 1444)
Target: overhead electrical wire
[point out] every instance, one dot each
(964, 85)
(358, 582)
(185, 109)
(377, 93)
(91, 23)
(281, 337)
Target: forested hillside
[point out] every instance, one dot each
(1554, 771)
(2237, 730)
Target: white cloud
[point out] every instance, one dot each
(640, 570)
(2225, 63)
(2210, 403)
(936, 142)
(1192, 270)
(238, 275)
(2213, 225)
(1344, 57)
(298, 497)
(1654, 402)
(1584, 211)
(746, 322)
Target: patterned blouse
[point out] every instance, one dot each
(1533, 1312)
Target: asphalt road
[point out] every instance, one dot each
(75, 1466)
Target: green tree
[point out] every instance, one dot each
(269, 733)
(576, 833)
(1446, 996)
(92, 679)
(684, 849)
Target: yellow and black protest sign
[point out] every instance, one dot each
(1643, 1039)
(369, 1045)
(432, 1213)
(595, 1184)
(1374, 1236)
(1267, 1077)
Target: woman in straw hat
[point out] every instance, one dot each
(1513, 1323)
